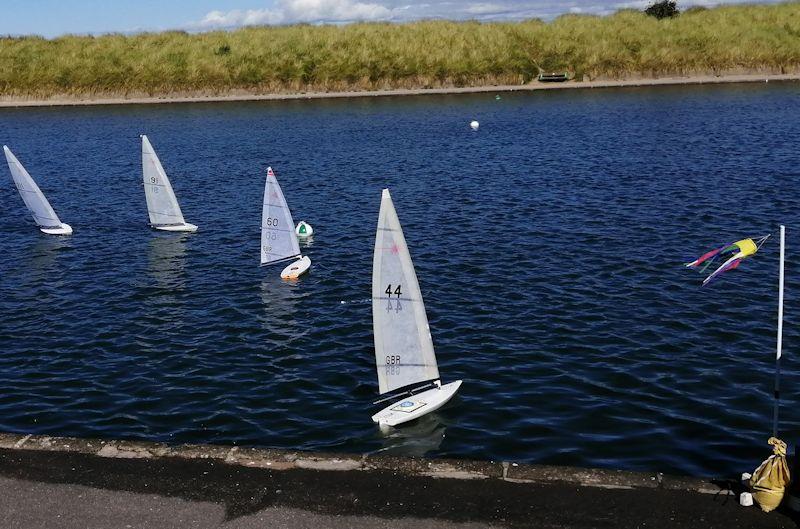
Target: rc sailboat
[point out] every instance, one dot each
(43, 213)
(278, 237)
(403, 346)
(162, 206)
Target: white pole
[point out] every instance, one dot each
(780, 338)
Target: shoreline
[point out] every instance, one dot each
(114, 483)
(22, 102)
(285, 460)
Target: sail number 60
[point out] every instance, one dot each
(271, 221)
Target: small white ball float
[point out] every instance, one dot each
(474, 125)
(304, 229)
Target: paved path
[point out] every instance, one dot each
(8, 101)
(52, 489)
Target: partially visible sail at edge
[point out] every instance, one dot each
(403, 345)
(162, 205)
(35, 201)
(278, 238)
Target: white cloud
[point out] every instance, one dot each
(291, 11)
(485, 9)
(342, 11)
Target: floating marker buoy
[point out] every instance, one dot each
(304, 229)
(474, 125)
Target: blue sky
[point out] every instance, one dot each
(56, 17)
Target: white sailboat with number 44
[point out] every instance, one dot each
(278, 237)
(403, 345)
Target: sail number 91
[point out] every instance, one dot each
(396, 291)
(393, 360)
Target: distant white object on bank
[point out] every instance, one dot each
(474, 125)
(746, 478)
(278, 237)
(304, 229)
(162, 206)
(745, 499)
(43, 213)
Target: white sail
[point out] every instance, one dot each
(161, 202)
(403, 346)
(34, 199)
(278, 239)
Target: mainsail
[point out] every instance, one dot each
(278, 239)
(34, 199)
(403, 346)
(161, 202)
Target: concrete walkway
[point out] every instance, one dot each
(9, 101)
(72, 483)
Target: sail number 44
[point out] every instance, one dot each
(397, 291)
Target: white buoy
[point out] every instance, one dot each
(304, 229)
(474, 125)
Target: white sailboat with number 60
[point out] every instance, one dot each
(278, 237)
(403, 345)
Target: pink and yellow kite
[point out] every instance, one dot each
(733, 254)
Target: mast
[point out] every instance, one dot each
(780, 337)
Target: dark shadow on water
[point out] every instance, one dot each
(414, 439)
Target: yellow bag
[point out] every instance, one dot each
(770, 479)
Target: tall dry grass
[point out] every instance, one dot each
(414, 55)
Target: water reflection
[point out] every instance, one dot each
(306, 242)
(167, 261)
(166, 264)
(279, 300)
(416, 439)
(43, 257)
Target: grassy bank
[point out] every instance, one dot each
(415, 55)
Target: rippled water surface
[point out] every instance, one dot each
(548, 246)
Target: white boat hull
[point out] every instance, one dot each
(64, 229)
(416, 406)
(185, 227)
(296, 268)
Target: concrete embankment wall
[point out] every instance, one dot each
(47, 476)
(13, 101)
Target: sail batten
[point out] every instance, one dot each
(278, 238)
(404, 352)
(37, 204)
(162, 205)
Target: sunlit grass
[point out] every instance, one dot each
(414, 55)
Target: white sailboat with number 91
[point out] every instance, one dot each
(162, 205)
(403, 345)
(278, 237)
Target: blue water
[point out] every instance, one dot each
(549, 248)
